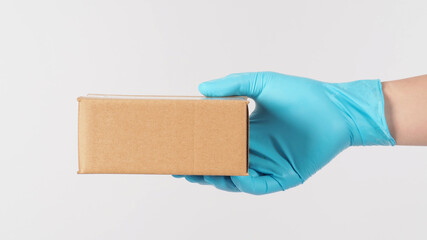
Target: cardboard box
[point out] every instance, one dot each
(163, 135)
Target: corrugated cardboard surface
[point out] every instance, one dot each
(188, 136)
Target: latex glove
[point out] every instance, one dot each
(298, 126)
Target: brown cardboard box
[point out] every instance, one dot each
(163, 135)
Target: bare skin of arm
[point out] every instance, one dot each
(406, 110)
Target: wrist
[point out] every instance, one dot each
(362, 103)
(405, 110)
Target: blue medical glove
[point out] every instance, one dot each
(298, 126)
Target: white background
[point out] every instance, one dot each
(51, 52)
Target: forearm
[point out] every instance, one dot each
(406, 110)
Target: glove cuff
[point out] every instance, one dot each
(363, 104)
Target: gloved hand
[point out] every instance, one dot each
(298, 126)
